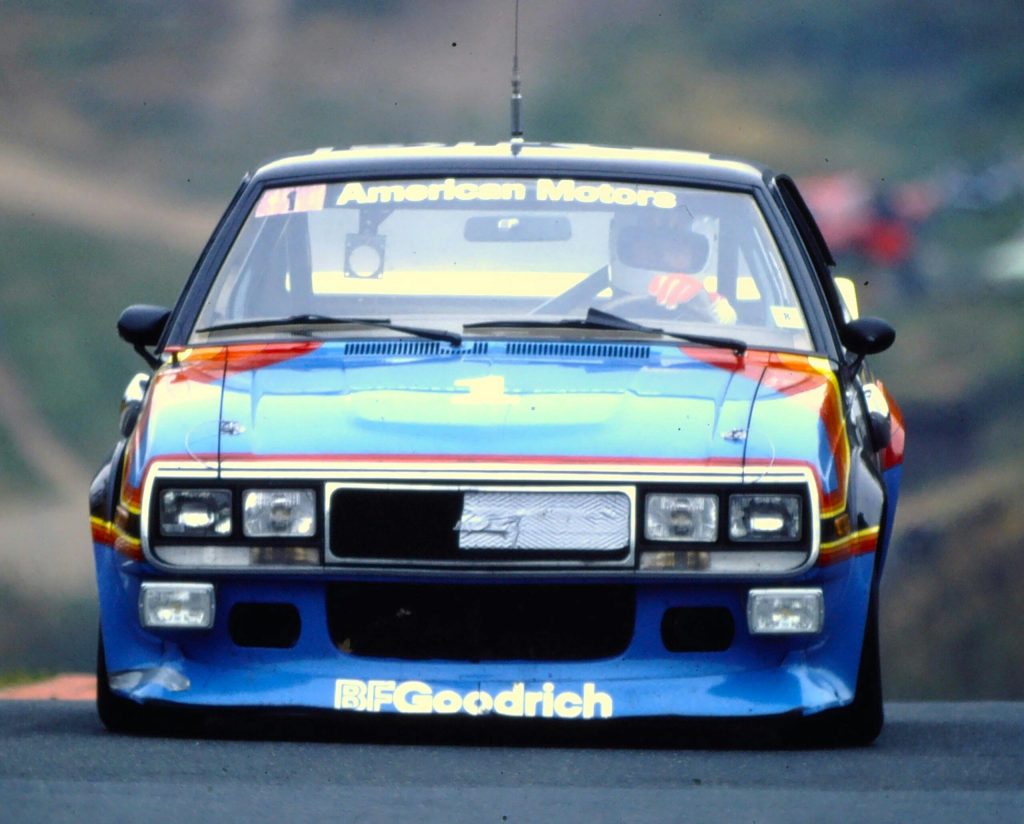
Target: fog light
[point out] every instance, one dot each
(166, 605)
(782, 611)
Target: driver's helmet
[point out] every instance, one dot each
(645, 243)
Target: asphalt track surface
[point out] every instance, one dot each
(934, 762)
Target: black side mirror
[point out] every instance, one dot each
(868, 336)
(142, 325)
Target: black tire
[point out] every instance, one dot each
(859, 722)
(117, 713)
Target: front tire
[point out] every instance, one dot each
(859, 722)
(118, 714)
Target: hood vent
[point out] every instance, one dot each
(411, 348)
(536, 349)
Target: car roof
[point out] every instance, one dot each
(513, 159)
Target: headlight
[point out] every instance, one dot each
(673, 517)
(764, 518)
(280, 513)
(195, 513)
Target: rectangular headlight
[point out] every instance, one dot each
(195, 513)
(765, 517)
(279, 513)
(678, 517)
(166, 605)
(785, 611)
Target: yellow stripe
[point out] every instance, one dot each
(824, 368)
(829, 547)
(418, 283)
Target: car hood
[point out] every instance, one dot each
(378, 400)
(649, 402)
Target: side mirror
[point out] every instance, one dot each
(868, 336)
(142, 325)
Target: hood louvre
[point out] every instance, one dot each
(411, 348)
(536, 349)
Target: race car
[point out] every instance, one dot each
(520, 431)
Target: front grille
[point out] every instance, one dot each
(455, 526)
(481, 622)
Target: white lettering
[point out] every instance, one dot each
(383, 692)
(419, 698)
(568, 705)
(413, 697)
(593, 699)
(510, 702)
(352, 193)
(447, 702)
(478, 703)
(547, 189)
(565, 190)
(349, 694)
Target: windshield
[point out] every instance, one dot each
(455, 252)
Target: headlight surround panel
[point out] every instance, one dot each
(727, 499)
(303, 545)
(246, 518)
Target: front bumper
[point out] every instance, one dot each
(755, 676)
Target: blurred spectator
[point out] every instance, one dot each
(872, 225)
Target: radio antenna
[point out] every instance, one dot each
(517, 97)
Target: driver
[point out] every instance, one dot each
(654, 255)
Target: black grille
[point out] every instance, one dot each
(578, 350)
(481, 622)
(395, 524)
(420, 525)
(412, 348)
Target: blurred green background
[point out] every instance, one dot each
(125, 127)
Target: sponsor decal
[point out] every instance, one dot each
(290, 200)
(420, 698)
(544, 190)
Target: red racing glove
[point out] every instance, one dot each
(671, 290)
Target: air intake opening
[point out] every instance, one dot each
(697, 629)
(481, 622)
(265, 625)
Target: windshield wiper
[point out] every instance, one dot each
(453, 338)
(597, 319)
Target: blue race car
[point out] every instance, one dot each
(527, 431)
